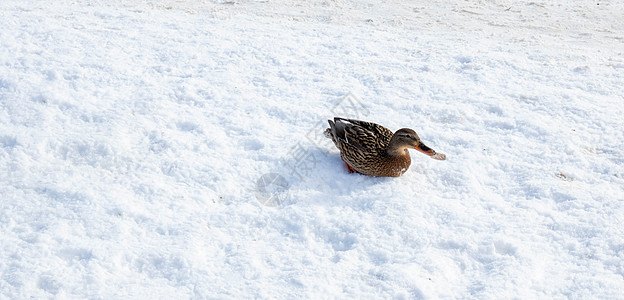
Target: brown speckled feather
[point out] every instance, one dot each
(363, 145)
(370, 136)
(372, 149)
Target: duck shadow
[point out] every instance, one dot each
(330, 175)
(314, 168)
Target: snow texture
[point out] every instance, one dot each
(167, 149)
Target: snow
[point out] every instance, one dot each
(160, 149)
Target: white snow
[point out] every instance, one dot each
(138, 139)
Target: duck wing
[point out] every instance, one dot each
(367, 137)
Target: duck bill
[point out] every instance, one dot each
(424, 149)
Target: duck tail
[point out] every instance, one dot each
(330, 132)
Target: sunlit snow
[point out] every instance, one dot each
(174, 149)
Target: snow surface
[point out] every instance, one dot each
(138, 139)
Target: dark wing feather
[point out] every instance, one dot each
(367, 135)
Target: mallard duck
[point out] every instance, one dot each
(373, 150)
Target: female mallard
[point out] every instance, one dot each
(373, 150)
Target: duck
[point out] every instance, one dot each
(371, 149)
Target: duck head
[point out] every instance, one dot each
(407, 138)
